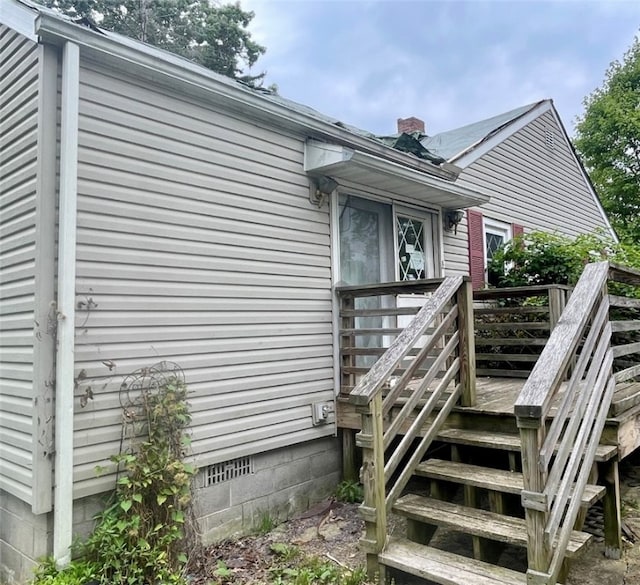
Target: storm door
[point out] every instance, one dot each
(366, 257)
(380, 242)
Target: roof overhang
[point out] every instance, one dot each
(159, 66)
(340, 162)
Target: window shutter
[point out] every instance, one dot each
(476, 248)
(517, 229)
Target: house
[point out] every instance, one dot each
(153, 211)
(525, 159)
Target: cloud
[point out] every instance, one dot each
(451, 63)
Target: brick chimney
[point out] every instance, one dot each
(409, 125)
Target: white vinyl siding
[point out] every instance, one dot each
(18, 180)
(530, 184)
(197, 244)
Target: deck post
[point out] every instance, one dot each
(349, 466)
(612, 504)
(464, 299)
(532, 434)
(374, 508)
(557, 301)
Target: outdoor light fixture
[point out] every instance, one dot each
(452, 217)
(320, 189)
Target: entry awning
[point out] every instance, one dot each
(341, 162)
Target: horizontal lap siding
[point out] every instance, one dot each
(531, 185)
(196, 244)
(18, 175)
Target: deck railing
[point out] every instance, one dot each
(512, 326)
(625, 323)
(557, 462)
(429, 363)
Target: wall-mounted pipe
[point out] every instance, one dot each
(63, 478)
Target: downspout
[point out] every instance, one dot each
(63, 480)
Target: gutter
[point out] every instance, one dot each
(63, 479)
(121, 50)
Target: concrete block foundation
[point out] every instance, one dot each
(280, 484)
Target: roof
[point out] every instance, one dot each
(55, 26)
(454, 143)
(410, 165)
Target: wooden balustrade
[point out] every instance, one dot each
(512, 326)
(426, 369)
(625, 322)
(575, 346)
(557, 462)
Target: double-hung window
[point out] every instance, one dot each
(486, 235)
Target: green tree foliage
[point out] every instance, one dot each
(543, 258)
(212, 35)
(608, 139)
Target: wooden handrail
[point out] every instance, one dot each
(379, 374)
(517, 291)
(544, 381)
(390, 288)
(624, 274)
(553, 484)
(431, 366)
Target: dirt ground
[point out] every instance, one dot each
(331, 531)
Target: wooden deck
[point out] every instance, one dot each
(545, 375)
(495, 398)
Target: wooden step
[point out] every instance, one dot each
(475, 522)
(504, 441)
(444, 567)
(508, 482)
(625, 397)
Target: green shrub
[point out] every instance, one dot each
(140, 538)
(349, 491)
(543, 258)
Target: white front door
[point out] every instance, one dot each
(415, 253)
(381, 242)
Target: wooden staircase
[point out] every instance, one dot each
(501, 524)
(537, 498)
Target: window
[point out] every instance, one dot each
(496, 234)
(411, 248)
(486, 235)
(380, 242)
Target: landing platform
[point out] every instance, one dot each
(494, 411)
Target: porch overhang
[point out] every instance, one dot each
(347, 164)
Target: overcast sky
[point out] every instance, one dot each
(448, 62)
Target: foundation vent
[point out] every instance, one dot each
(219, 472)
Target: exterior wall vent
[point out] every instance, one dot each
(549, 139)
(227, 470)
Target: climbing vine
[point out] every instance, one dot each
(142, 536)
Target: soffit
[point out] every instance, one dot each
(343, 163)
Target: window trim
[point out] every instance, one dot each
(496, 228)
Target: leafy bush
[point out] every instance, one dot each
(349, 491)
(139, 539)
(77, 573)
(542, 258)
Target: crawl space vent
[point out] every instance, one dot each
(219, 472)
